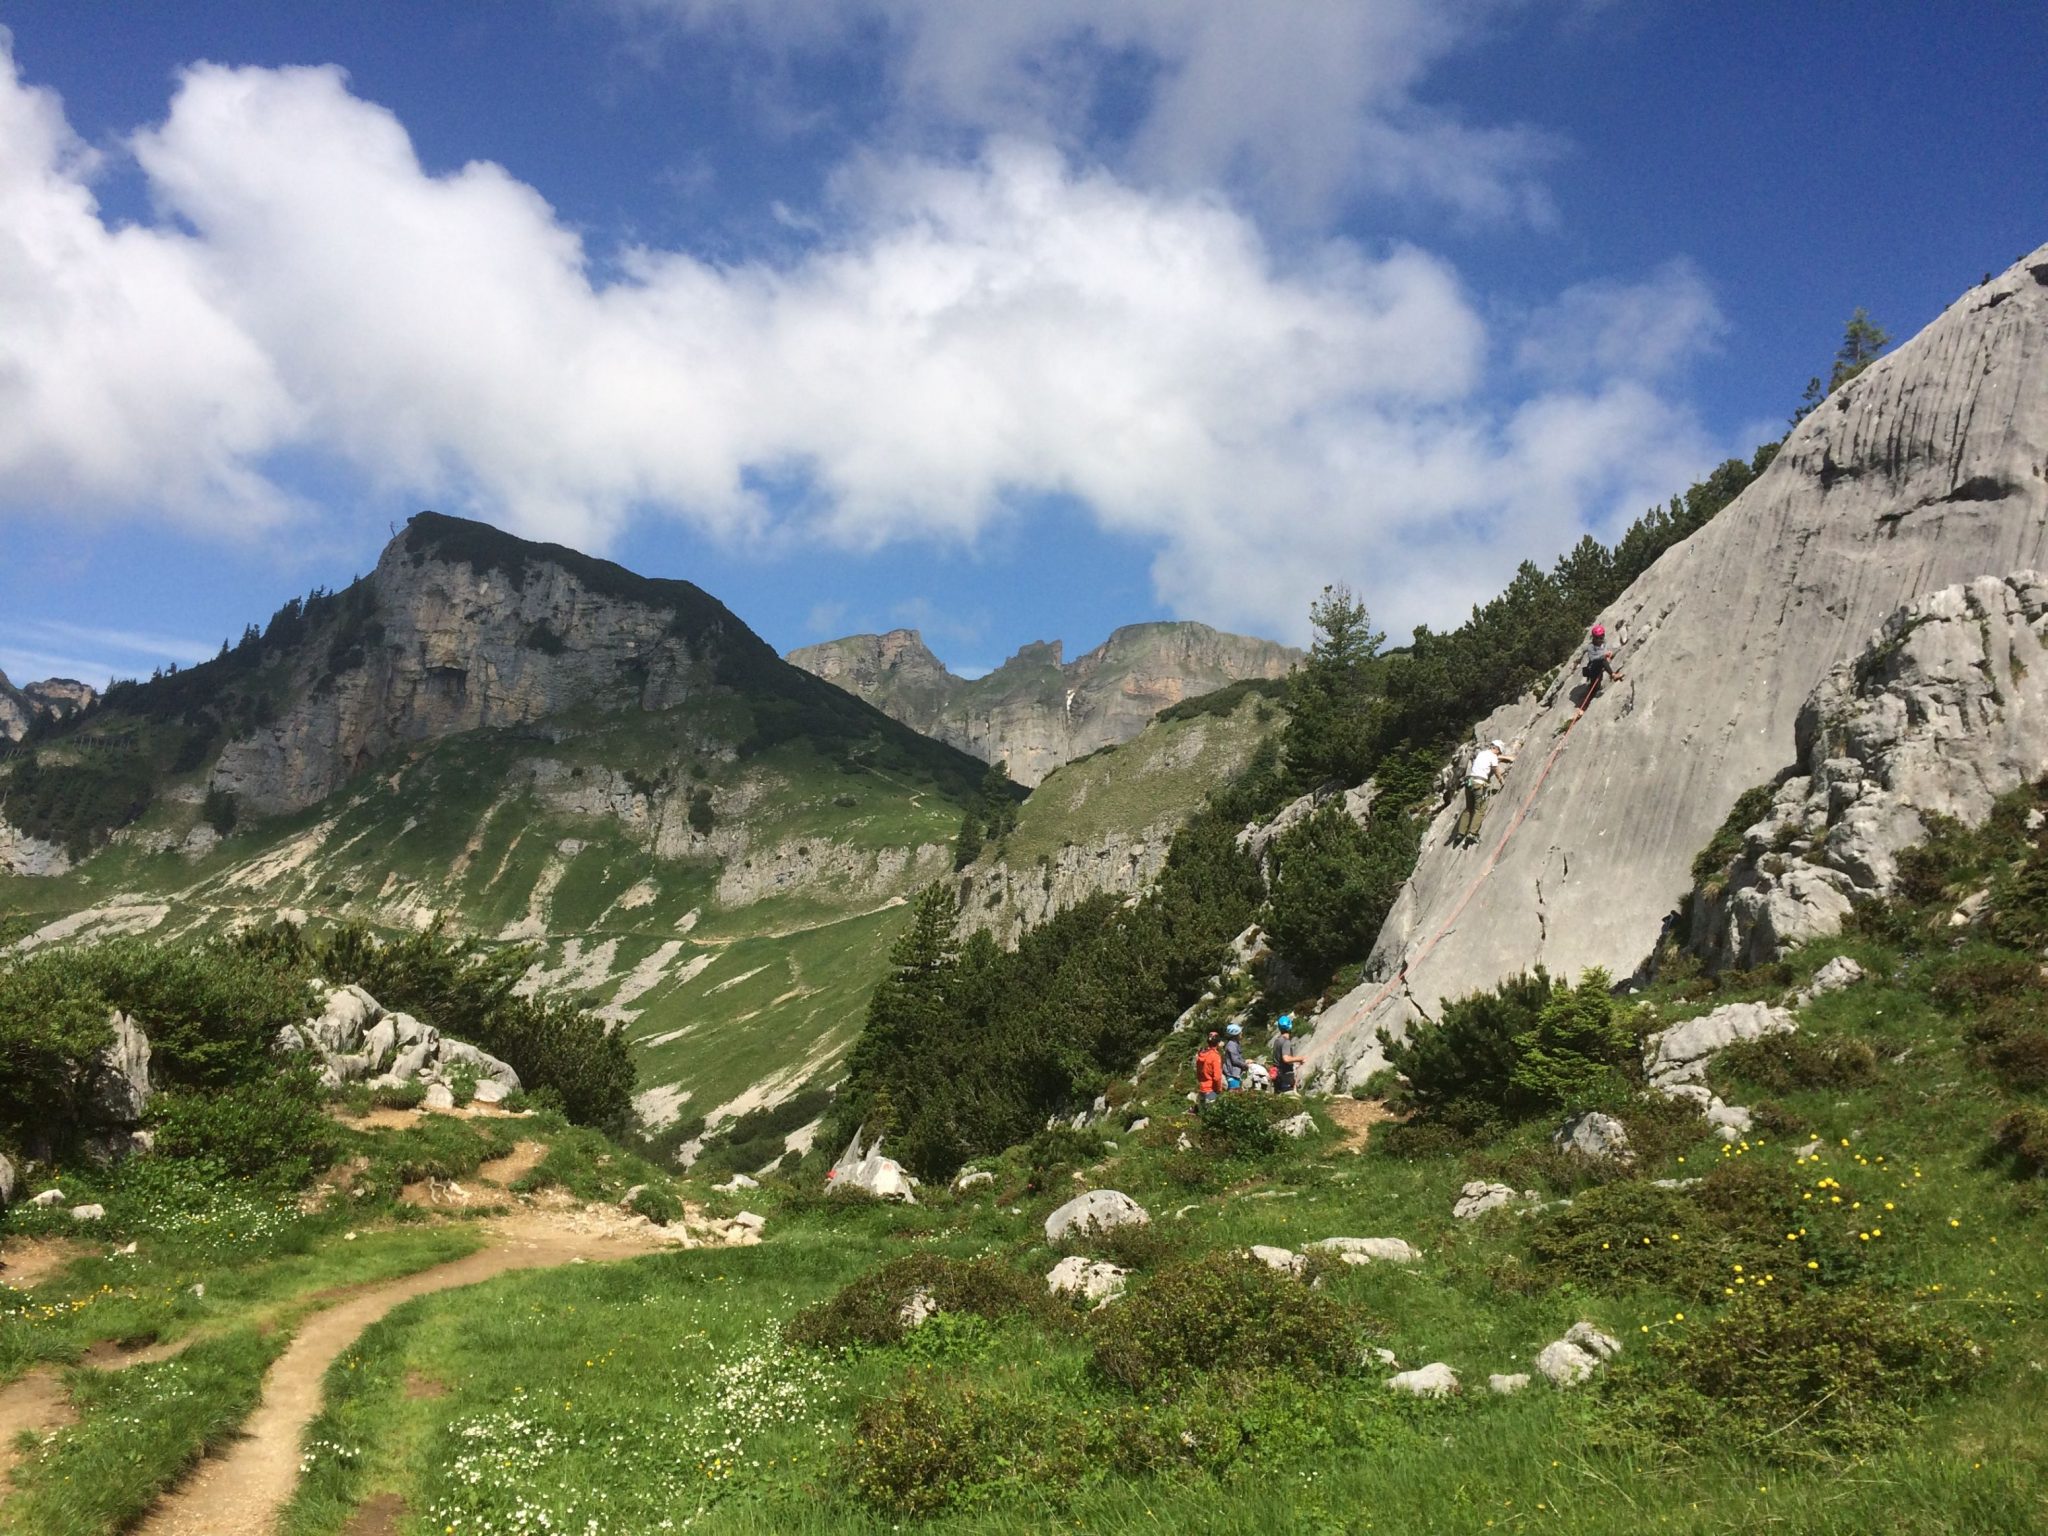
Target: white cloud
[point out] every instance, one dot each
(1300, 103)
(969, 337)
(1611, 328)
(123, 380)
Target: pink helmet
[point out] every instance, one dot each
(1599, 631)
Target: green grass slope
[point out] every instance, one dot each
(1845, 1339)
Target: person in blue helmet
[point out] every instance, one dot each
(1285, 1061)
(1233, 1058)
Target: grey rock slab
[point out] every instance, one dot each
(737, 1182)
(1286, 1260)
(1368, 1250)
(1921, 472)
(1433, 1380)
(439, 1096)
(117, 1082)
(1506, 1386)
(1098, 1210)
(1086, 1279)
(1840, 972)
(1593, 1134)
(1478, 1197)
(1297, 1126)
(1681, 1053)
(971, 1178)
(48, 1198)
(7, 1182)
(88, 1213)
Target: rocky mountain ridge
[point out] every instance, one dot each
(1929, 469)
(53, 698)
(1038, 710)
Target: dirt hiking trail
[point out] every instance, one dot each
(240, 1491)
(35, 1402)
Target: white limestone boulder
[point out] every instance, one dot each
(1368, 1250)
(1098, 1210)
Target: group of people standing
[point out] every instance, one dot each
(1220, 1065)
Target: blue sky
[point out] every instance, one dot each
(1009, 322)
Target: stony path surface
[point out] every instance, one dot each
(240, 1491)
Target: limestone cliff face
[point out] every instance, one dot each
(1038, 710)
(1945, 710)
(465, 643)
(51, 699)
(1929, 469)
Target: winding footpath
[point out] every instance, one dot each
(241, 1491)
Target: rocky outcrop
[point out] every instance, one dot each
(354, 1037)
(1010, 900)
(53, 698)
(1099, 1210)
(1944, 711)
(1037, 711)
(1926, 470)
(474, 630)
(864, 1168)
(21, 854)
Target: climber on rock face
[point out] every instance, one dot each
(1599, 662)
(1481, 779)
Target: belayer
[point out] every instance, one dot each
(1599, 662)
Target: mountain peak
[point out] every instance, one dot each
(1038, 710)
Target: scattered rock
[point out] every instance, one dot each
(1478, 1197)
(1182, 1144)
(48, 1198)
(439, 1096)
(736, 1183)
(1098, 1210)
(971, 1178)
(1283, 1259)
(1385, 1356)
(490, 1091)
(626, 1200)
(1297, 1126)
(1088, 1279)
(1811, 1149)
(866, 1168)
(1673, 1183)
(1600, 1137)
(1843, 972)
(1433, 1380)
(117, 1082)
(1570, 1360)
(1507, 1385)
(1679, 1055)
(1369, 1250)
(1137, 1125)
(918, 1309)
(88, 1213)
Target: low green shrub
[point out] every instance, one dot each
(936, 1445)
(1743, 1213)
(870, 1310)
(1581, 1049)
(1983, 977)
(1244, 1125)
(211, 1011)
(1134, 1245)
(2020, 1138)
(1461, 1071)
(1793, 1375)
(1221, 1310)
(1792, 1063)
(271, 1128)
(53, 1019)
(409, 1094)
(660, 1206)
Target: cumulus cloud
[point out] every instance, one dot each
(965, 339)
(1612, 328)
(1300, 103)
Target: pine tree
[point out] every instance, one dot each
(1329, 696)
(1862, 340)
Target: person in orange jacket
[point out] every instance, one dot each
(1208, 1072)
